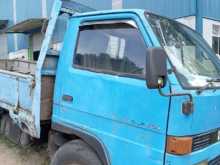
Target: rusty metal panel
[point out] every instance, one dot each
(47, 87)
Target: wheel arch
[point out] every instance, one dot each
(94, 142)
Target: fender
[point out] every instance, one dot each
(91, 140)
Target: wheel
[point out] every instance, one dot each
(7, 125)
(25, 139)
(3, 124)
(75, 152)
(52, 146)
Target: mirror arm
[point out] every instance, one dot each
(175, 94)
(187, 107)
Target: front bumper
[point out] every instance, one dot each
(209, 153)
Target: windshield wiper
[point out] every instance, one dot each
(209, 84)
(213, 80)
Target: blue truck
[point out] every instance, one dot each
(128, 87)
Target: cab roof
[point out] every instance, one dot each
(105, 12)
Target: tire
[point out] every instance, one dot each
(75, 152)
(52, 146)
(7, 126)
(25, 139)
(3, 124)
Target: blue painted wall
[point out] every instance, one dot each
(171, 8)
(96, 4)
(28, 9)
(6, 12)
(211, 9)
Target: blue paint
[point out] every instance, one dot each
(199, 16)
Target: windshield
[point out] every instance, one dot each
(194, 62)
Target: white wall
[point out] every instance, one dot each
(189, 21)
(117, 4)
(207, 26)
(3, 46)
(208, 29)
(37, 41)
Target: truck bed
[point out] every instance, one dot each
(17, 84)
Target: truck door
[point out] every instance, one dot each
(103, 90)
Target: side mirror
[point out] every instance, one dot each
(156, 68)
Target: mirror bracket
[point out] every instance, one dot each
(187, 106)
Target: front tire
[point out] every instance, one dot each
(75, 152)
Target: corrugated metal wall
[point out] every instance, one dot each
(6, 13)
(170, 8)
(96, 4)
(25, 9)
(211, 9)
(28, 9)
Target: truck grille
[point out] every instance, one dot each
(204, 140)
(215, 161)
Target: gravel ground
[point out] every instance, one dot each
(11, 154)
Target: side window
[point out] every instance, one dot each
(116, 48)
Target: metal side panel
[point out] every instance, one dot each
(16, 96)
(16, 90)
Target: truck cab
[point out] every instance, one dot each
(137, 88)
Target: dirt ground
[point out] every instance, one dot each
(11, 154)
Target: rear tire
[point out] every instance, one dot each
(52, 146)
(3, 124)
(7, 126)
(75, 152)
(25, 139)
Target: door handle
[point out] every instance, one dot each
(67, 98)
